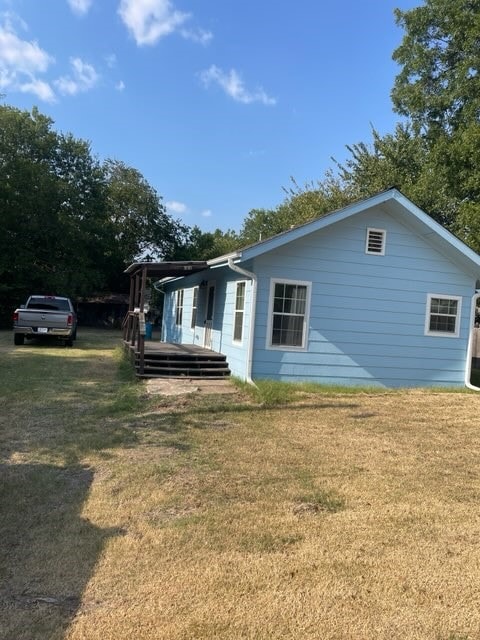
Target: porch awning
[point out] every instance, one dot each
(166, 269)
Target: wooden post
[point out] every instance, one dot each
(141, 321)
(131, 304)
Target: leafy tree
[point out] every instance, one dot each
(69, 224)
(438, 87)
(204, 245)
(260, 224)
(392, 160)
(138, 220)
(29, 204)
(438, 91)
(301, 205)
(314, 199)
(80, 250)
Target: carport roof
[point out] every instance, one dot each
(167, 269)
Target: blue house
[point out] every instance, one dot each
(375, 294)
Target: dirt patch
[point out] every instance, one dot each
(184, 386)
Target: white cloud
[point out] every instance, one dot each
(233, 85)
(80, 7)
(200, 36)
(10, 19)
(21, 61)
(20, 55)
(176, 207)
(83, 78)
(111, 60)
(255, 153)
(150, 20)
(40, 89)
(207, 213)
(120, 86)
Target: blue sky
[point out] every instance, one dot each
(216, 103)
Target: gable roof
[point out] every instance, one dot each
(392, 202)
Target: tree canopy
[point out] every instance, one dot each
(438, 87)
(70, 224)
(438, 92)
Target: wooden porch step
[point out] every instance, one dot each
(208, 355)
(192, 364)
(198, 364)
(179, 361)
(211, 375)
(185, 370)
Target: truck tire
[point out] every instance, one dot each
(18, 338)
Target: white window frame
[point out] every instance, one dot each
(193, 320)
(239, 311)
(384, 241)
(428, 314)
(179, 307)
(306, 318)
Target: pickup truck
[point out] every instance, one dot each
(45, 317)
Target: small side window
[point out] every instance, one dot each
(443, 315)
(375, 243)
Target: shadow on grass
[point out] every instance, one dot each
(48, 551)
(167, 421)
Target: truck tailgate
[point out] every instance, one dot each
(40, 318)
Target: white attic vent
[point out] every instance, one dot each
(375, 243)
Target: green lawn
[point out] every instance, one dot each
(344, 516)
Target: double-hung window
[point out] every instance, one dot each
(179, 308)
(443, 315)
(289, 308)
(239, 312)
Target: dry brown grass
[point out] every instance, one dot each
(341, 517)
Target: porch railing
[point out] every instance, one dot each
(134, 335)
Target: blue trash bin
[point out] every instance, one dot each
(148, 330)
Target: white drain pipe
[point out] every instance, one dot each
(468, 368)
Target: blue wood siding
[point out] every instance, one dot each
(223, 317)
(183, 334)
(367, 313)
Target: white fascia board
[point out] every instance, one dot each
(168, 279)
(222, 261)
